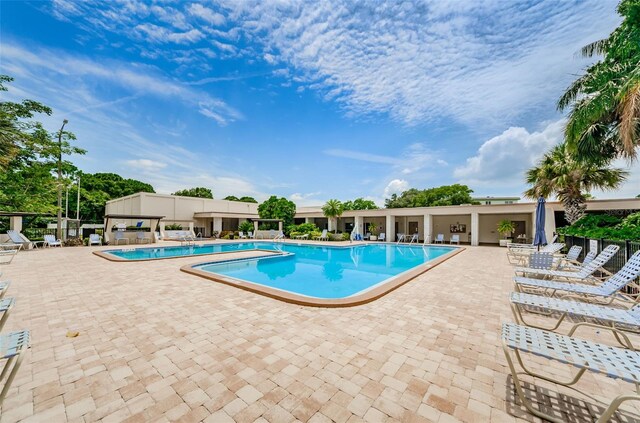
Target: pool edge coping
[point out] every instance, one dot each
(368, 296)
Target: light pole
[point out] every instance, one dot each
(59, 225)
(78, 209)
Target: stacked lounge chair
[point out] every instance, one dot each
(12, 344)
(617, 362)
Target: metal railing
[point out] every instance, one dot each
(627, 249)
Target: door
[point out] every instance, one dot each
(413, 228)
(520, 229)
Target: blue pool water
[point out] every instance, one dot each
(309, 270)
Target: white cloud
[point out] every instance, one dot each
(146, 165)
(396, 186)
(365, 157)
(138, 79)
(417, 62)
(307, 199)
(503, 160)
(629, 189)
(206, 14)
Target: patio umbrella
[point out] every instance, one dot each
(539, 237)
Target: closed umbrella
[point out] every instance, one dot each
(540, 238)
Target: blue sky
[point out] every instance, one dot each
(306, 100)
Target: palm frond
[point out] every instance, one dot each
(629, 110)
(597, 47)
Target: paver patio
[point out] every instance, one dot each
(157, 344)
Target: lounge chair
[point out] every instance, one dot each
(7, 255)
(439, 239)
(367, 236)
(11, 347)
(17, 238)
(598, 316)
(323, 237)
(616, 363)
(414, 238)
(575, 265)
(302, 236)
(400, 238)
(6, 304)
(520, 256)
(95, 239)
(51, 241)
(4, 286)
(584, 273)
(606, 290)
(279, 237)
(241, 235)
(119, 236)
(519, 246)
(250, 234)
(540, 260)
(455, 238)
(141, 238)
(382, 237)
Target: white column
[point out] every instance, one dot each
(428, 236)
(549, 223)
(217, 224)
(255, 228)
(162, 234)
(308, 220)
(15, 223)
(331, 224)
(475, 228)
(391, 228)
(191, 229)
(357, 224)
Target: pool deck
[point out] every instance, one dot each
(158, 344)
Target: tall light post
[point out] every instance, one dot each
(59, 225)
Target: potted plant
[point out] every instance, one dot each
(373, 230)
(506, 228)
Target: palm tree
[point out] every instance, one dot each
(559, 173)
(332, 209)
(605, 102)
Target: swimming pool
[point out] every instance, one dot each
(332, 275)
(306, 274)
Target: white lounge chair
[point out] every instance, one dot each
(11, 347)
(518, 256)
(142, 238)
(95, 239)
(439, 239)
(323, 237)
(4, 286)
(382, 237)
(598, 316)
(302, 236)
(119, 236)
(414, 238)
(51, 241)
(455, 238)
(7, 255)
(241, 235)
(584, 273)
(17, 238)
(250, 234)
(607, 290)
(400, 238)
(6, 304)
(616, 363)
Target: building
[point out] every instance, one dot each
(475, 224)
(496, 200)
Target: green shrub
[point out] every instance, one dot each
(315, 234)
(597, 226)
(303, 228)
(173, 227)
(346, 236)
(245, 226)
(226, 236)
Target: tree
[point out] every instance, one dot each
(559, 173)
(359, 204)
(15, 128)
(241, 199)
(446, 195)
(604, 103)
(98, 188)
(332, 209)
(278, 208)
(199, 192)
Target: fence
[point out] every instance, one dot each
(627, 249)
(37, 234)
